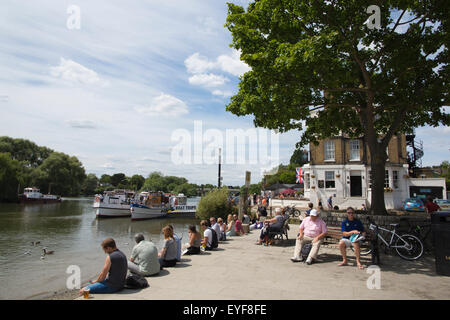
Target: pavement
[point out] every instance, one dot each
(240, 270)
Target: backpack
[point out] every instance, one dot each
(305, 250)
(135, 281)
(214, 240)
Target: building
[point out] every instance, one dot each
(340, 167)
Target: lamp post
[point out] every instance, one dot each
(220, 159)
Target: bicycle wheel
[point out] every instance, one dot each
(409, 247)
(365, 248)
(296, 213)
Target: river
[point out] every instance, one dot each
(71, 229)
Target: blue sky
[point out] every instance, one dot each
(114, 91)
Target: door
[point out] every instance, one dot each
(355, 186)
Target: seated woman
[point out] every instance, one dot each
(273, 224)
(195, 239)
(168, 254)
(230, 226)
(223, 230)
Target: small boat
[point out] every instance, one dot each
(180, 208)
(149, 205)
(34, 195)
(113, 204)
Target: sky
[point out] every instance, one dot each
(124, 86)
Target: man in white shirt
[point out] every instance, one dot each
(207, 241)
(214, 225)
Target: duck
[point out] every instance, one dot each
(47, 251)
(34, 243)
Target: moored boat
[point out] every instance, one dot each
(113, 204)
(34, 195)
(180, 208)
(149, 205)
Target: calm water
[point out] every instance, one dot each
(71, 229)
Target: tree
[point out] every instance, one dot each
(318, 65)
(60, 174)
(299, 157)
(188, 189)
(105, 180)
(10, 178)
(137, 181)
(117, 178)
(214, 204)
(90, 184)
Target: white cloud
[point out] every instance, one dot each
(165, 106)
(73, 72)
(221, 93)
(107, 166)
(232, 63)
(208, 80)
(229, 63)
(82, 124)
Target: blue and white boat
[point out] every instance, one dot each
(149, 205)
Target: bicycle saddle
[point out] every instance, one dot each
(394, 225)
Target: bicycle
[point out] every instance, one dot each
(407, 246)
(292, 211)
(422, 232)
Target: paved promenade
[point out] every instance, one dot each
(242, 270)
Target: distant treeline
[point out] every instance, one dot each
(25, 164)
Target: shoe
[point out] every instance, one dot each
(309, 261)
(294, 259)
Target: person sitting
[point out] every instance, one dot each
(144, 257)
(274, 224)
(113, 276)
(310, 206)
(230, 226)
(195, 241)
(238, 226)
(349, 227)
(178, 241)
(245, 219)
(209, 241)
(168, 254)
(223, 230)
(256, 225)
(215, 226)
(312, 230)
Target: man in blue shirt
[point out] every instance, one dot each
(349, 227)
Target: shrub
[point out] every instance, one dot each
(214, 204)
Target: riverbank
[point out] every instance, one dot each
(242, 270)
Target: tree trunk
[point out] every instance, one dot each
(377, 164)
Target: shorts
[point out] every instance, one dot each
(347, 242)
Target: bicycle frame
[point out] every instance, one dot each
(394, 234)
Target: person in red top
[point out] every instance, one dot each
(431, 206)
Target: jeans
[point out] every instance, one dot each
(101, 287)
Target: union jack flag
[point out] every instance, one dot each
(300, 174)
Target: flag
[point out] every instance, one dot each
(300, 174)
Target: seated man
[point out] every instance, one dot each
(144, 257)
(113, 276)
(210, 240)
(274, 224)
(215, 226)
(312, 230)
(349, 227)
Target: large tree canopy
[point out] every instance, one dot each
(308, 54)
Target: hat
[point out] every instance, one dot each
(314, 213)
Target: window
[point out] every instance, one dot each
(320, 183)
(354, 150)
(329, 150)
(395, 178)
(386, 179)
(329, 179)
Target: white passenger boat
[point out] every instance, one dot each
(149, 205)
(113, 204)
(34, 195)
(179, 206)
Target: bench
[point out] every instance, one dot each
(335, 233)
(278, 234)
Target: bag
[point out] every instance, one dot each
(306, 249)
(215, 241)
(135, 281)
